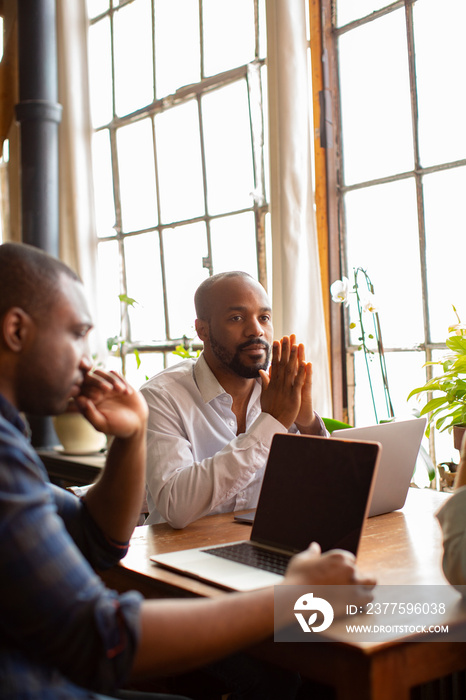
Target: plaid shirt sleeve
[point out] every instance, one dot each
(55, 610)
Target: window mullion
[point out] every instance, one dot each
(417, 168)
(207, 261)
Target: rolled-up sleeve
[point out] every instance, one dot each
(100, 551)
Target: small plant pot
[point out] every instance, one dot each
(447, 478)
(458, 433)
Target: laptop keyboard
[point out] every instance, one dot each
(250, 554)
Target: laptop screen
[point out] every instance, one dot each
(315, 489)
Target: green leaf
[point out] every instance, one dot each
(429, 465)
(439, 424)
(433, 405)
(459, 365)
(111, 342)
(125, 299)
(431, 385)
(186, 353)
(332, 424)
(457, 343)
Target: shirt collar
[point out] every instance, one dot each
(9, 412)
(208, 385)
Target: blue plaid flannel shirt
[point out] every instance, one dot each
(63, 634)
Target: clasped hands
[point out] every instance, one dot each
(287, 386)
(112, 405)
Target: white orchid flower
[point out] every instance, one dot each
(340, 290)
(369, 303)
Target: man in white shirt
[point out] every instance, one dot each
(211, 421)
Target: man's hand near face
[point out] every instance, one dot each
(282, 386)
(112, 406)
(287, 388)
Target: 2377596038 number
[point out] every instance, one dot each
(399, 608)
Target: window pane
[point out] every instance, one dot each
(227, 138)
(146, 191)
(137, 176)
(144, 283)
(446, 248)
(233, 244)
(103, 187)
(96, 7)
(349, 10)
(375, 100)
(100, 74)
(179, 163)
(383, 239)
(177, 48)
(108, 289)
(262, 30)
(444, 449)
(229, 37)
(442, 101)
(404, 371)
(133, 57)
(184, 247)
(151, 363)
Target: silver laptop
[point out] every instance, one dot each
(314, 489)
(400, 442)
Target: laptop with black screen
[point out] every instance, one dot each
(314, 489)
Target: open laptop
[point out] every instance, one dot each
(314, 489)
(400, 442)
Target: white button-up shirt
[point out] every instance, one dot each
(196, 464)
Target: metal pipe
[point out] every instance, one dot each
(39, 115)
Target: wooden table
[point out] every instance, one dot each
(403, 547)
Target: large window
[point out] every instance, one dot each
(177, 101)
(400, 174)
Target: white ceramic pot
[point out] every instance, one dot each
(77, 435)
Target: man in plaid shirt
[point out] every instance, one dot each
(63, 634)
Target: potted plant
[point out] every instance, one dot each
(447, 407)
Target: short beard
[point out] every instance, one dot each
(233, 362)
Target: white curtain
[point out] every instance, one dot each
(296, 285)
(78, 247)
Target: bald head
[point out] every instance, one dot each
(205, 293)
(29, 279)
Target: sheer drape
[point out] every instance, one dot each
(296, 284)
(78, 247)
